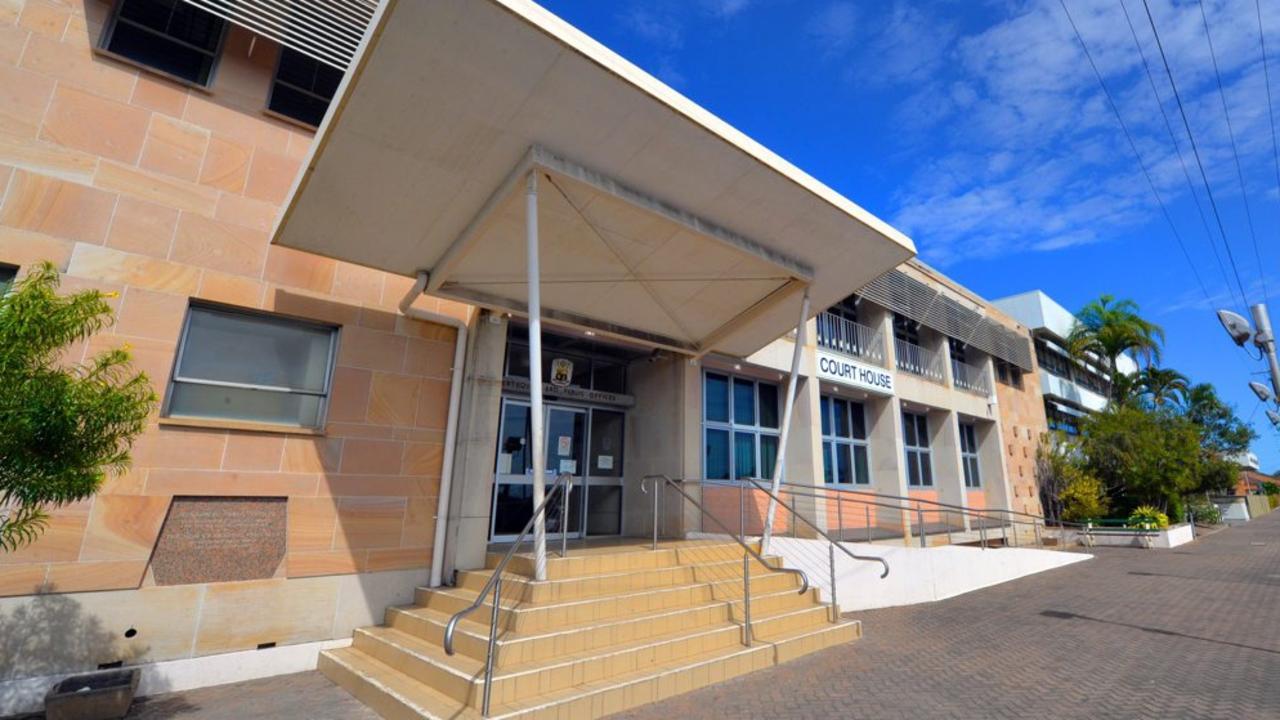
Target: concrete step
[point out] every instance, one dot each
(600, 561)
(527, 618)
(396, 695)
(471, 637)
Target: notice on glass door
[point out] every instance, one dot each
(569, 466)
(604, 462)
(565, 445)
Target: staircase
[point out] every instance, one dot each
(611, 629)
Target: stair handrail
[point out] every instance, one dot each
(667, 481)
(562, 482)
(820, 531)
(903, 504)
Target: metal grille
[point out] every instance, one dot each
(906, 296)
(328, 30)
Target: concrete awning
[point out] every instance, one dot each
(658, 221)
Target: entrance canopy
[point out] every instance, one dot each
(659, 222)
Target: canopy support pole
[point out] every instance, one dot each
(785, 431)
(535, 376)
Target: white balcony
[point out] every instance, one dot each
(851, 338)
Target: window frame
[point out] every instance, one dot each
(922, 453)
(733, 429)
(325, 395)
(6, 284)
(109, 31)
(969, 457)
(831, 442)
(275, 80)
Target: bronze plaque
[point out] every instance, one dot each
(220, 539)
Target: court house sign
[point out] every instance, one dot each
(840, 369)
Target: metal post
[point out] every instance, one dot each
(1013, 528)
(982, 533)
(493, 640)
(950, 539)
(785, 430)
(831, 558)
(535, 376)
(655, 515)
(1266, 342)
(920, 522)
(1035, 525)
(867, 507)
(746, 600)
(742, 510)
(564, 507)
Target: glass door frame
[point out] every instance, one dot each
(582, 479)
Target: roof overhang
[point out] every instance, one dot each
(658, 222)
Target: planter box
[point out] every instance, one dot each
(1173, 536)
(103, 695)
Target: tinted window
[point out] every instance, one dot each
(303, 87)
(171, 36)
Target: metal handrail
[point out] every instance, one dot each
(936, 503)
(967, 376)
(903, 504)
(918, 360)
(666, 479)
(850, 337)
(820, 531)
(562, 483)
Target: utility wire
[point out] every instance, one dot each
(1271, 115)
(1134, 146)
(1235, 152)
(1195, 150)
(1177, 147)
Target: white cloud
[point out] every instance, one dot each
(726, 8)
(1021, 152)
(834, 27)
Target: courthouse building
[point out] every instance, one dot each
(338, 321)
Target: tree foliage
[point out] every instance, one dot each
(63, 426)
(1163, 386)
(1108, 328)
(1143, 457)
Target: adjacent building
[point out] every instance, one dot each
(340, 329)
(1071, 388)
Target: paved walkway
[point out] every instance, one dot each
(1187, 633)
(1192, 632)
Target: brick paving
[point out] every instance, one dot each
(1192, 632)
(1187, 633)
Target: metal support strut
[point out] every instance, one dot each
(785, 430)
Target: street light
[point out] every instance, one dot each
(1260, 390)
(1237, 327)
(1274, 417)
(1240, 331)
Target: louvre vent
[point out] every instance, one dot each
(327, 30)
(906, 296)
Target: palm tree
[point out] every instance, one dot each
(1163, 385)
(1107, 328)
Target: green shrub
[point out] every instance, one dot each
(1273, 501)
(1205, 512)
(1147, 515)
(1082, 496)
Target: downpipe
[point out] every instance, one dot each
(451, 422)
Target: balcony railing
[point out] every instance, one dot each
(970, 377)
(918, 361)
(851, 338)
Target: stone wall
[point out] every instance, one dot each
(141, 186)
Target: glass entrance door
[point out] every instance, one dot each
(565, 430)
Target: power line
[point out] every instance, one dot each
(1134, 146)
(1195, 150)
(1266, 76)
(1235, 152)
(1173, 138)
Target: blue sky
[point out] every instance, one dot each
(978, 128)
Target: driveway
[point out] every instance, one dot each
(1187, 633)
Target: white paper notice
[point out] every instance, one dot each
(565, 445)
(504, 463)
(604, 462)
(569, 466)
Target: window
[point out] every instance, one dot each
(844, 442)
(171, 36)
(7, 274)
(1009, 374)
(1059, 420)
(1052, 360)
(248, 367)
(740, 427)
(303, 87)
(969, 455)
(915, 433)
(957, 349)
(906, 329)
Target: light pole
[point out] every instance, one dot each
(1241, 332)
